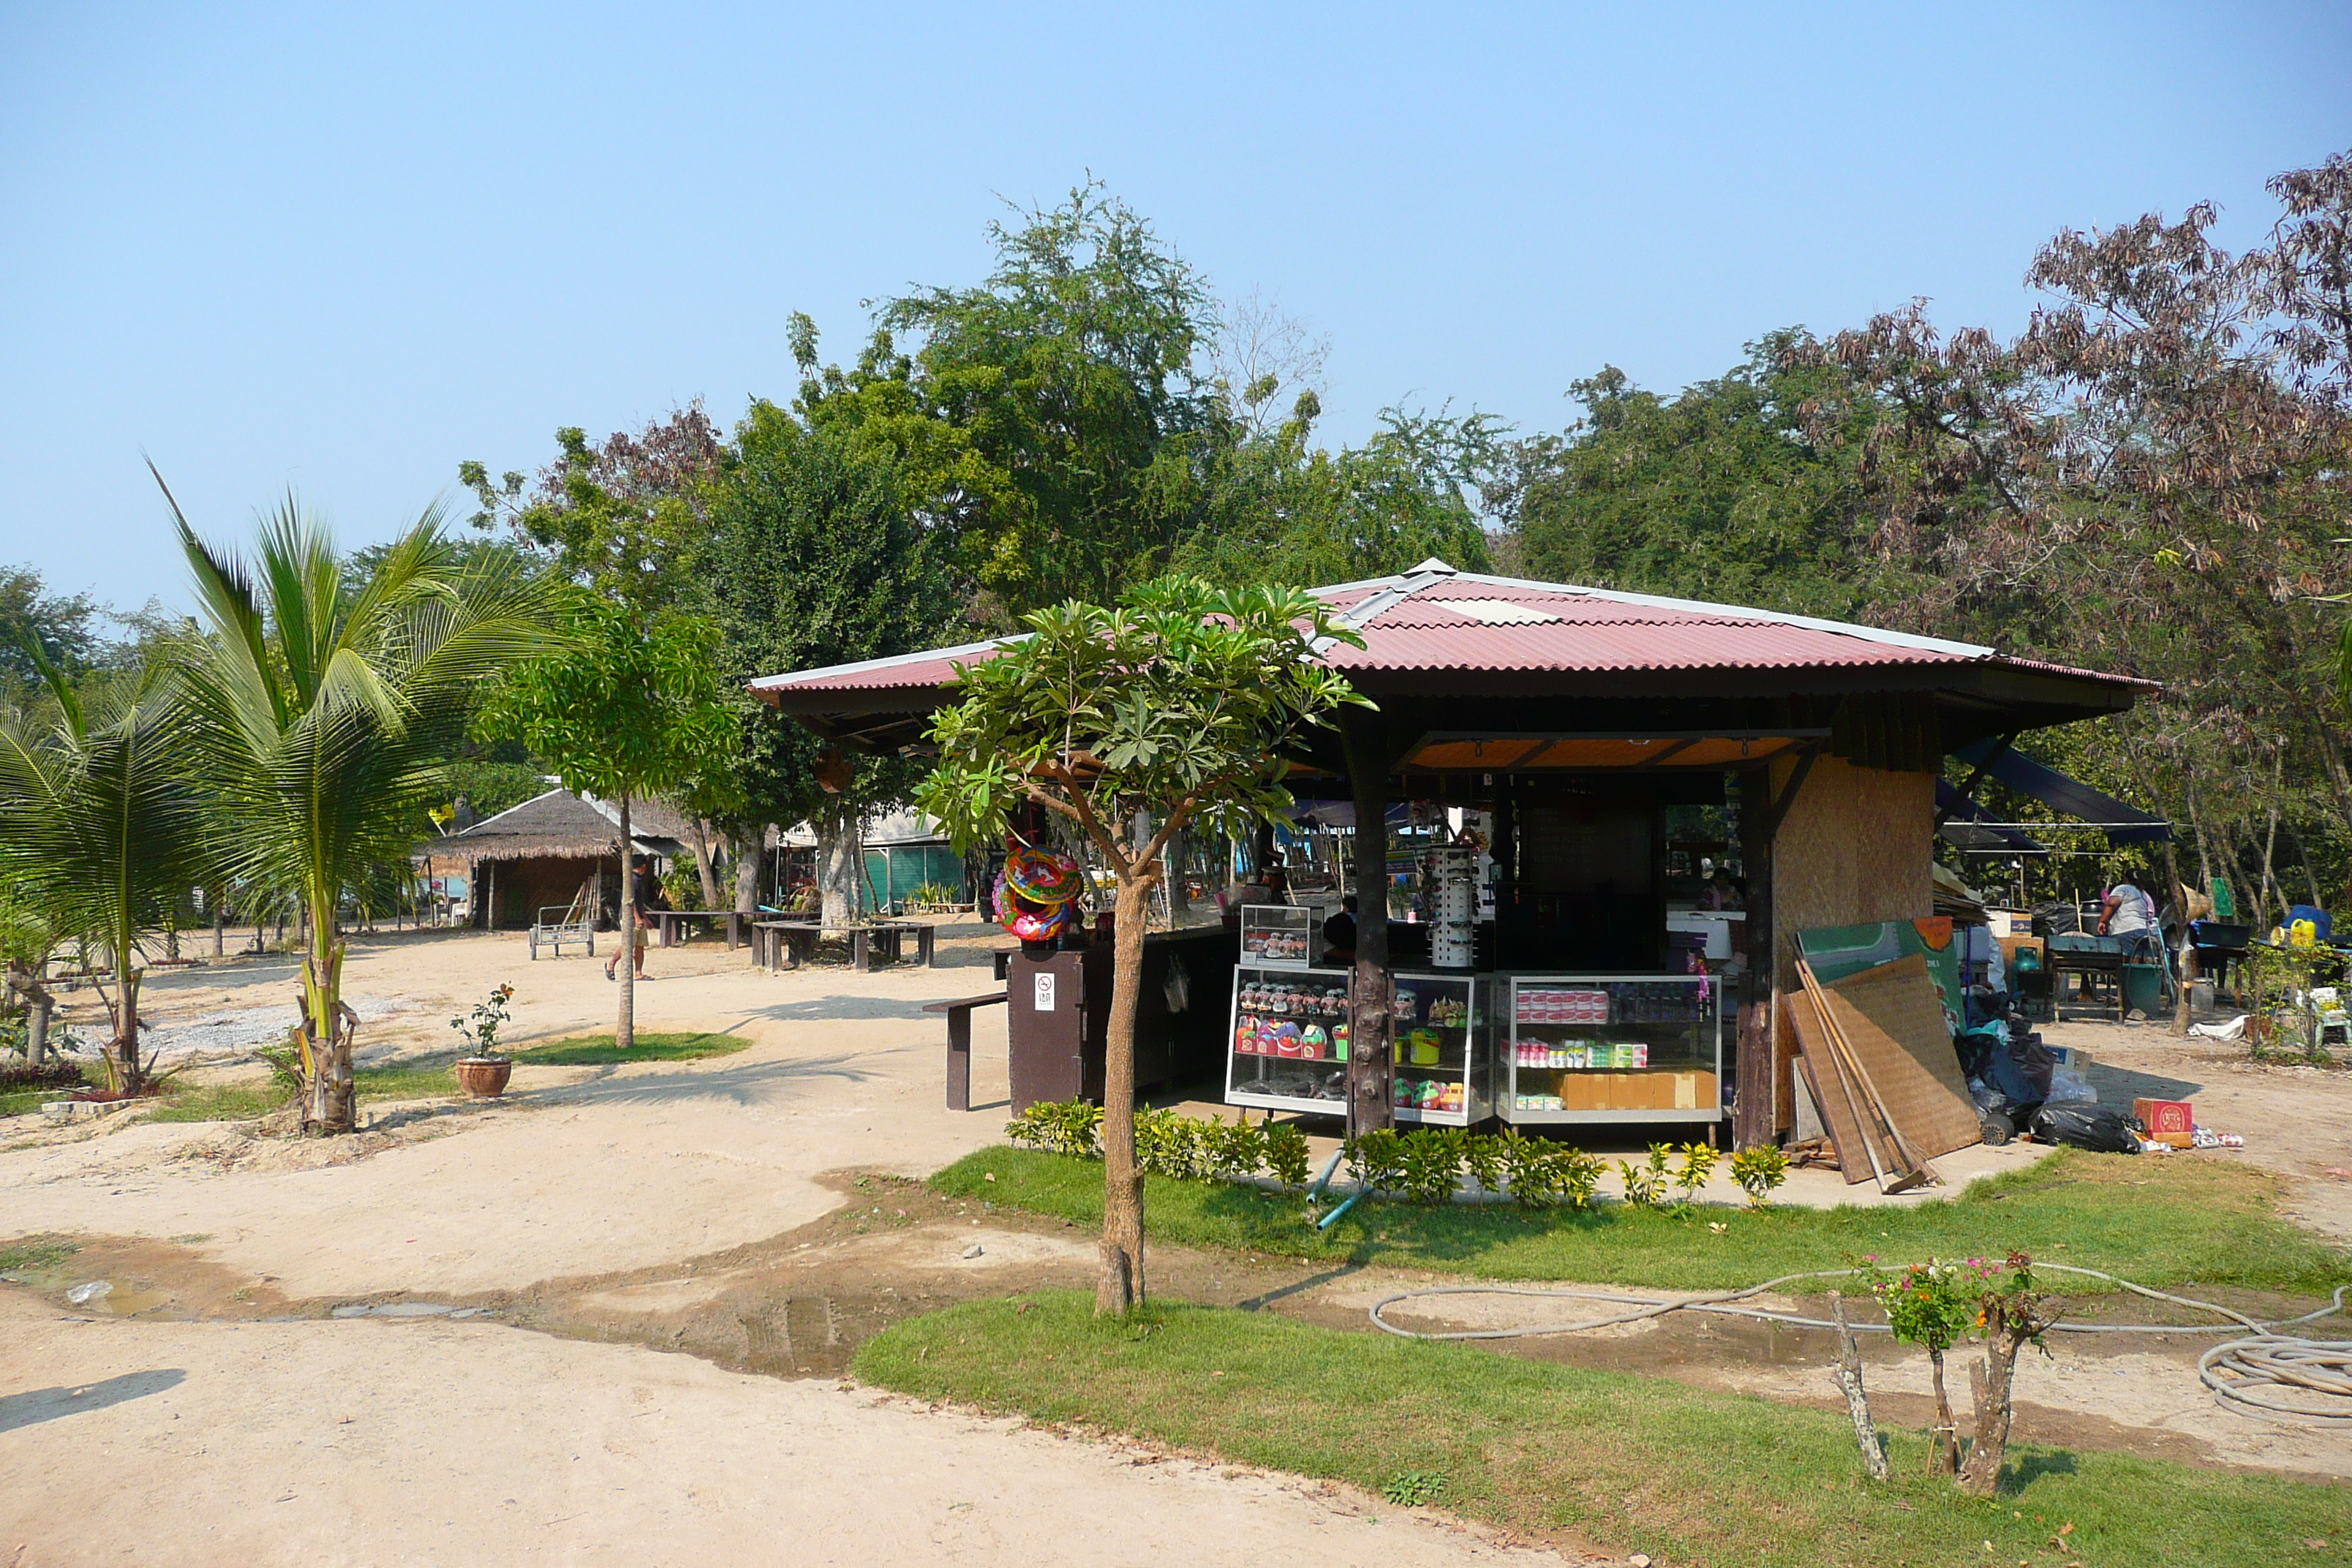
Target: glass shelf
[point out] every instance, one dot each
(1611, 1047)
(1288, 1046)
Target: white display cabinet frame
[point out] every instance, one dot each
(1472, 1038)
(1510, 1033)
(1247, 1073)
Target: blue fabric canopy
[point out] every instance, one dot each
(2123, 824)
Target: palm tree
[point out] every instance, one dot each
(321, 707)
(98, 828)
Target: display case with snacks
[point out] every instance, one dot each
(1612, 1048)
(1289, 1039)
(1286, 936)
(1443, 1068)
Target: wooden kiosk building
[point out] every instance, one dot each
(1578, 719)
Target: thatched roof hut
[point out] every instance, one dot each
(552, 846)
(558, 825)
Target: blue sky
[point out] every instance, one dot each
(342, 248)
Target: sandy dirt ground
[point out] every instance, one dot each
(716, 1208)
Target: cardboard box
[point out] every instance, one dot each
(2169, 1122)
(1579, 1091)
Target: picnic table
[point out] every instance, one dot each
(670, 924)
(788, 943)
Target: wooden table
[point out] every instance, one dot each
(669, 924)
(788, 943)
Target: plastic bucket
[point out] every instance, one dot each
(2143, 987)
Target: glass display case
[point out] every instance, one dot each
(1289, 1038)
(1284, 936)
(1443, 1068)
(1612, 1048)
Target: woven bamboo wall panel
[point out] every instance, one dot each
(1892, 1021)
(1830, 1096)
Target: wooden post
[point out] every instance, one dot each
(1756, 1119)
(1371, 1058)
(2188, 971)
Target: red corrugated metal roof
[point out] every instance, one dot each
(1436, 618)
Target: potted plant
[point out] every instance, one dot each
(482, 1072)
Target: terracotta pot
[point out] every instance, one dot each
(484, 1078)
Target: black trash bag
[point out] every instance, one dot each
(2057, 919)
(2101, 1129)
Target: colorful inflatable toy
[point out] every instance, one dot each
(1037, 893)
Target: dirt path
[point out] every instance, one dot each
(703, 1207)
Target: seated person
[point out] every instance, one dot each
(1339, 931)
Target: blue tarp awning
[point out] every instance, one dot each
(2070, 797)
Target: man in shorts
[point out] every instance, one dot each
(644, 897)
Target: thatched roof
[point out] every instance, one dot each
(556, 824)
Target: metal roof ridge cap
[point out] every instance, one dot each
(1747, 613)
(859, 666)
(509, 811)
(1357, 616)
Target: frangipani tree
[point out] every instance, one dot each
(1178, 704)
(98, 828)
(321, 708)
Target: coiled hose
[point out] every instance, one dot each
(2245, 1374)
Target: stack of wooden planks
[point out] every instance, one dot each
(1877, 1058)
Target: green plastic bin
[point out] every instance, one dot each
(2144, 987)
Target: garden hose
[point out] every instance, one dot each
(2242, 1372)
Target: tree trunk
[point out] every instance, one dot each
(1120, 1288)
(331, 1103)
(38, 1006)
(747, 874)
(625, 1029)
(1990, 1382)
(1944, 1443)
(837, 867)
(1754, 1065)
(125, 1071)
(2186, 968)
(706, 863)
(1848, 1370)
(1372, 993)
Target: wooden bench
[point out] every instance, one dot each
(959, 1014)
(925, 939)
(1003, 957)
(669, 923)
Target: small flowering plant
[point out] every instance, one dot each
(1935, 1304)
(480, 1029)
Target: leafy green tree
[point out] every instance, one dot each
(815, 558)
(625, 709)
(1177, 703)
(99, 828)
(1283, 510)
(1069, 375)
(320, 710)
(1717, 494)
(36, 624)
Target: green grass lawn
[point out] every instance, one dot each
(2172, 1221)
(598, 1050)
(427, 1078)
(1627, 1463)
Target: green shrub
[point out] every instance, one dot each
(1488, 1161)
(1059, 1127)
(1759, 1171)
(1429, 1164)
(1645, 1186)
(1167, 1144)
(1286, 1155)
(1377, 1159)
(1232, 1151)
(1692, 1168)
